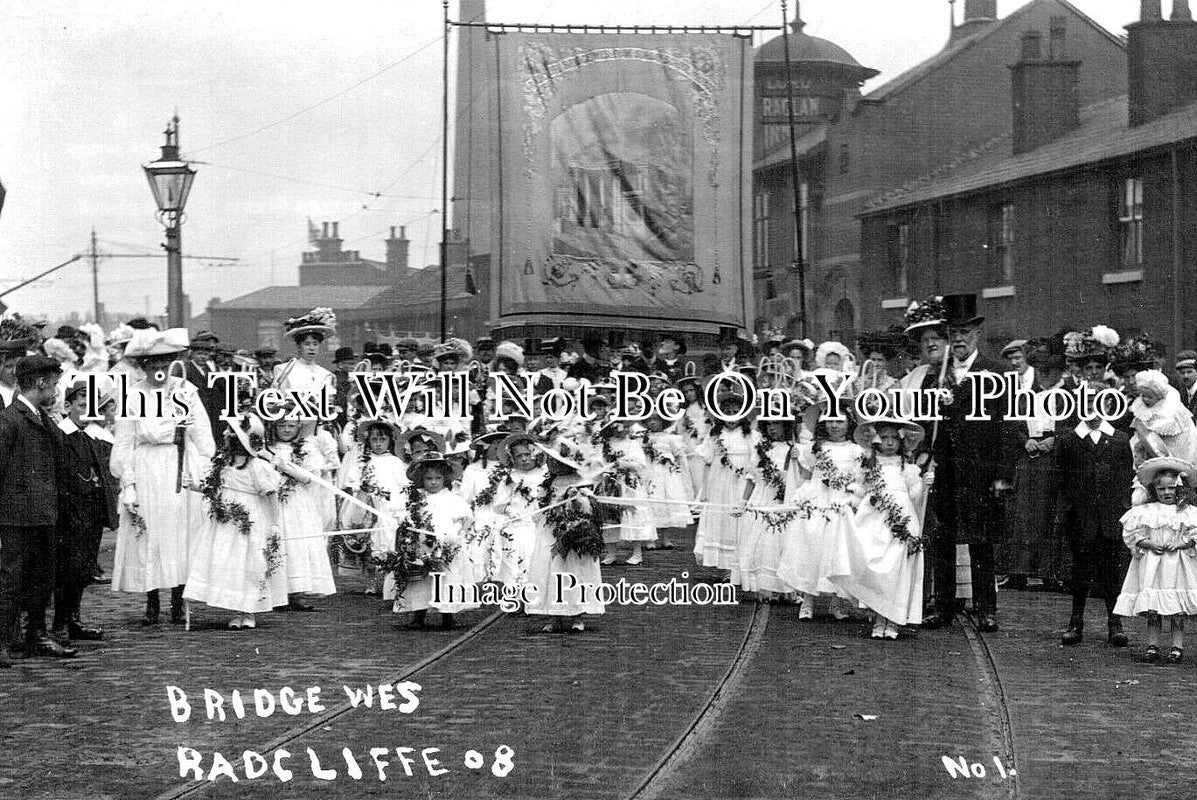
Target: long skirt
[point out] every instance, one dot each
(154, 554)
(302, 520)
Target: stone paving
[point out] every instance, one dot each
(589, 715)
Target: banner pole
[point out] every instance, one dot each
(445, 177)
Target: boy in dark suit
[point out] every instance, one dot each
(1094, 471)
(31, 463)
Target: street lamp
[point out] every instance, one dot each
(170, 181)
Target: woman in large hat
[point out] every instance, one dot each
(302, 373)
(152, 457)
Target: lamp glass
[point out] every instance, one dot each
(170, 181)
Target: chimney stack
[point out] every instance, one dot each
(1044, 93)
(977, 14)
(397, 254)
(1161, 61)
(335, 234)
(324, 230)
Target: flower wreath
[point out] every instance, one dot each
(416, 554)
(298, 454)
(832, 477)
(656, 457)
(221, 510)
(574, 531)
(897, 520)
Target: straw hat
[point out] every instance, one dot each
(1150, 469)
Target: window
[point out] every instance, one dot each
(760, 230)
(897, 248)
(1130, 223)
(1000, 244)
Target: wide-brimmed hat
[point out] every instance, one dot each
(403, 442)
(911, 433)
(364, 427)
(1137, 353)
(415, 472)
(928, 313)
(321, 321)
(1095, 344)
(151, 342)
(511, 440)
(250, 431)
(815, 412)
(1152, 467)
(571, 457)
(512, 351)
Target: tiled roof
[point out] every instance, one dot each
(1104, 134)
(310, 296)
(917, 72)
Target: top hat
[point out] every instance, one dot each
(962, 310)
(552, 347)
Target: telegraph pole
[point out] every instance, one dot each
(95, 279)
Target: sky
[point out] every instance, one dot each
(292, 110)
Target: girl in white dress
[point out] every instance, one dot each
(1162, 579)
(775, 478)
(505, 529)
(237, 557)
(155, 517)
(729, 453)
(625, 465)
(667, 477)
(432, 528)
(301, 516)
(694, 427)
(567, 549)
(879, 560)
(832, 492)
(377, 477)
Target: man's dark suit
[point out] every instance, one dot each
(969, 457)
(30, 474)
(213, 399)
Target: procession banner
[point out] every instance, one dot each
(624, 173)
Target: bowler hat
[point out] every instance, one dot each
(343, 354)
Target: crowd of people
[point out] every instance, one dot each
(839, 515)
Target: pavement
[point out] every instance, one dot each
(815, 709)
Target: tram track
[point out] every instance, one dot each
(692, 737)
(988, 666)
(345, 708)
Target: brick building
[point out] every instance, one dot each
(922, 120)
(1083, 214)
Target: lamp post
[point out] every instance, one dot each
(170, 181)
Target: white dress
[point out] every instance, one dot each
(872, 565)
(694, 428)
(154, 555)
(302, 519)
(635, 521)
(545, 565)
(765, 535)
(717, 540)
(1165, 584)
(667, 477)
(235, 570)
(508, 547)
(809, 558)
(448, 514)
(303, 377)
(380, 481)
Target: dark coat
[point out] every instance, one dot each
(1189, 401)
(969, 456)
(1093, 483)
(30, 468)
(87, 484)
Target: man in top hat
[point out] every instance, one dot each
(974, 461)
(31, 465)
(551, 374)
(593, 366)
(668, 359)
(1186, 379)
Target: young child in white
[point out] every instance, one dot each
(832, 492)
(775, 480)
(1162, 579)
(879, 562)
(666, 478)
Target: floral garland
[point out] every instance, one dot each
(139, 525)
(221, 510)
(369, 487)
(574, 531)
(832, 477)
(772, 475)
(897, 520)
(656, 457)
(273, 551)
(298, 454)
(725, 458)
(500, 474)
(416, 554)
(777, 521)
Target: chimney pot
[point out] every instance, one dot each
(392, 231)
(980, 9)
(1150, 11)
(1181, 12)
(335, 234)
(402, 231)
(324, 231)
(1031, 50)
